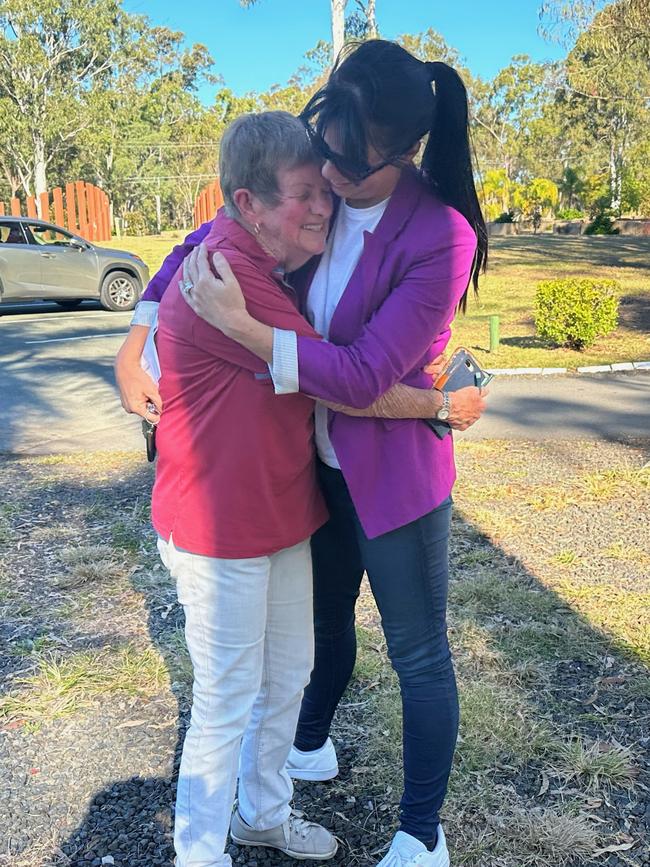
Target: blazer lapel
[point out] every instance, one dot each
(365, 290)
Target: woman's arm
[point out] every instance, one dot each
(160, 281)
(390, 346)
(137, 388)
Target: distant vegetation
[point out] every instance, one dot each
(88, 90)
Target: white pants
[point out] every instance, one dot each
(249, 631)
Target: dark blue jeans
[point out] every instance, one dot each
(408, 573)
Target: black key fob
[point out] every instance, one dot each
(149, 433)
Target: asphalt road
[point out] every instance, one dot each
(57, 391)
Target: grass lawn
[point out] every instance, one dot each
(549, 611)
(517, 265)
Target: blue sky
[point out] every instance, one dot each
(257, 47)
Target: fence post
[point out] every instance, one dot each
(71, 211)
(494, 333)
(15, 207)
(31, 208)
(92, 219)
(57, 199)
(2, 209)
(44, 206)
(81, 209)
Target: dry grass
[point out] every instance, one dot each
(598, 765)
(63, 684)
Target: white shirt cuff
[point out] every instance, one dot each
(145, 313)
(284, 368)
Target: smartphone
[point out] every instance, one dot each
(462, 370)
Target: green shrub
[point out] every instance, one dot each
(136, 223)
(602, 224)
(506, 217)
(569, 214)
(575, 312)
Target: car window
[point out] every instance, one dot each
(48, 236)
(11, 233)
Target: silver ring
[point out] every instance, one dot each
(187, 286)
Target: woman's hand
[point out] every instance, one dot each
(138, 391)
(435, 367)
(467, 406)
(215, 296)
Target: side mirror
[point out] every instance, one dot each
(78, 245)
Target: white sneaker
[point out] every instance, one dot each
(407, 851)
(313, 765)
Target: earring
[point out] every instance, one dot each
(256, 228)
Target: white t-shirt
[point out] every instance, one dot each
(343, 251)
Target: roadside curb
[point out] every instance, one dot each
(617, 367)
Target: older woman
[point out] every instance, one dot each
(234, 503)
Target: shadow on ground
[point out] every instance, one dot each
(130, 819)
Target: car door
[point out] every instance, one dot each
(69, 264)
(20, 264)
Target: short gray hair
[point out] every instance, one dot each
(253, 148)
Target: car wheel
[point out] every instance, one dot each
(120, 291)
(68, 304)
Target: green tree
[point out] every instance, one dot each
(538, 195)
(505, 110)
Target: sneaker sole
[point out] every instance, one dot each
(299, 856)
(313, 775)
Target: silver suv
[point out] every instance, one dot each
(39, 260)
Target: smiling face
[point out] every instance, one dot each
(296, 228)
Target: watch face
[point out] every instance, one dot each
(443, 414)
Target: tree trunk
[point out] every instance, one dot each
(615, 179)
(338, 26)
(373, 32)
(40, 169)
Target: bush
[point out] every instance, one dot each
(602, 224)
(135, 223)
(575, 312)
(506, 217)
(569, 214)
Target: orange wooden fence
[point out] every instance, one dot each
(208, 201)
(87, 210)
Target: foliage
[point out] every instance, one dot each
(574, 312)
(539, 195)
(90, 90)
(506, 217)
(569, 214)
(602, 224)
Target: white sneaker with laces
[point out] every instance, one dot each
(407, 851)
(318, 764)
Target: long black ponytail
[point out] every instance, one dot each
(381, 95)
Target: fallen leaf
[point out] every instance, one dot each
(131, 723)
(545, 784)
(622, 847)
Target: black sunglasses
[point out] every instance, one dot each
(351, 169)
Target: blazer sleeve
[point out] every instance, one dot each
(399, 333)
(160, 281)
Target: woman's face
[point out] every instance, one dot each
(296, 229)
(360, 194)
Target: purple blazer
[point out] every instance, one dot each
(392, 319)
